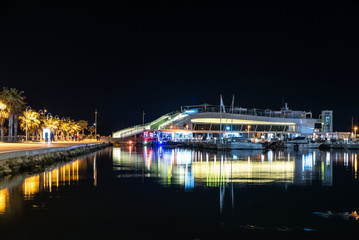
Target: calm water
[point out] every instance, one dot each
(155, 193)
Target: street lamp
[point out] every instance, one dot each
(47, 130)
(249, 126)
(27, 108)
(96, 122)
(2, 106)
(47, 117)
(355, 131)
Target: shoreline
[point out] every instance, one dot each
(36, 160)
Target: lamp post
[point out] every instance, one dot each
(27, 108)
(2, 106)
(249, 126)
(57, 131)
(41, 112)
(47, 131)
(96, 122)
(47, 117)
(355, 131)
(143, 118)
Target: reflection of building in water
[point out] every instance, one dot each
(188, 167)
(4, 200)
(94, 172)
(250, 171)
(314, 166)
(356, 166)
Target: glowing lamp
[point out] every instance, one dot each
(2, 106)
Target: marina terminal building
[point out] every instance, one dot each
(209, 122)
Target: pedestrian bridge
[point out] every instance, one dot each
(159, 123)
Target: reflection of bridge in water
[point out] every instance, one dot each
(188, 167)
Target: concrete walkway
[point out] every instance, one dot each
(12, 150)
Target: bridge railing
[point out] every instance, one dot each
(129, 132)
(140, 128)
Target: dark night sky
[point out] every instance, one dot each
(127, 57)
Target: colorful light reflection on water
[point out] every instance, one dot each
(188, 167)
(253, 190)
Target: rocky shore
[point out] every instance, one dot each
(37, 163)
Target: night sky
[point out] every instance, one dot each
(127, 57)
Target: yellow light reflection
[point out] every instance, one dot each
(356, 166)
(94, 172)
(243, 171)
(354, 215)
(4, 200)
(48, 180)
(31, 186)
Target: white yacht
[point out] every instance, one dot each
(301, 143)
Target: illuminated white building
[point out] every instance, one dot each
(209, 121)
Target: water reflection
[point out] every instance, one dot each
(65, 175)
(4, 200)
(188, 167)
(19, 188)
(240, 176)
(31, 186)
(262, 190)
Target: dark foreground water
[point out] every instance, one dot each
(145, 193)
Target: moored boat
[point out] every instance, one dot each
(352, 145)
(245, 145)
(302, 143)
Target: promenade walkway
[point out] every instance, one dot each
(10, 150)
(12, 147)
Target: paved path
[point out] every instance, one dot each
(14, 147)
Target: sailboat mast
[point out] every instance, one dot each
(232, 115)
(220, 121)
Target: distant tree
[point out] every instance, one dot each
(50, 122)
(91, 130)
(83, 124)
(33, 122)
(4, 114)
(14, 100)
(64, 128)
(74, 127)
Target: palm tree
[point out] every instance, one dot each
(83, 124)
(52, 123)
(15, 102)
(64, 128)
(73, 127)
(4, 114)
(33, 122)
(91, 130)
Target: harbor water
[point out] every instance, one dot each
(157, 193)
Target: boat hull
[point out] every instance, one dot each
(245, 146)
